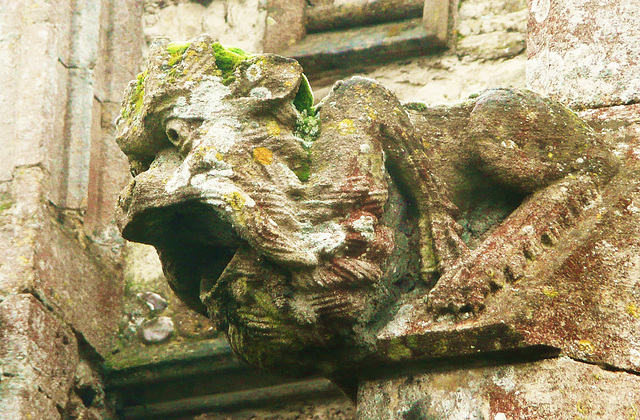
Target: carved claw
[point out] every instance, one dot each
(465, 287)
(459, 291)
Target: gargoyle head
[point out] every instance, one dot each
(276, 231)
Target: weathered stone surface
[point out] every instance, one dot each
(439, 17)
(332, 16)
(558, 388)
(236, 23)
(85, 293)
(285, 24)
(450, 76)
(354, 48)
(20, 222)
(492, 45)
(585, 53)
(39, 358)
(576, 290)
(35, 34)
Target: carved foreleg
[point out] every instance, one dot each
(505, 256)
(529, 144)
(390, 130)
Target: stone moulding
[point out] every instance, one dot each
(360, 230)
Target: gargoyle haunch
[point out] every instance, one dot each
(298, 228)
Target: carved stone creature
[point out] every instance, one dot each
(300, 228)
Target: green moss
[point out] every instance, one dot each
(139, 92)
(303, 171)
(136, 98)
(177, 50)
(304, 98)
(397, 351)
(416, 106)
(307, 126)
(227, 59)
(5, 202)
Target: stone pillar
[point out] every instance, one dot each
(439, 19)
(66, 64)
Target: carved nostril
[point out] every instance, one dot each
(178, 133)
(174, 137)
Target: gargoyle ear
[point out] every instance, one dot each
(272, 78)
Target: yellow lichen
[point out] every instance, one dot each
(346, 127)
(550, 292)
(632, 310)
(586, 346)
(236, 200)
(273, 129)
(262, 155)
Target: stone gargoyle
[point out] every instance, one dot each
(300, 228)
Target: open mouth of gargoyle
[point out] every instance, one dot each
(194, 243)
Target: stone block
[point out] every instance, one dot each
(285, 24)
(122, 49)
(85, 37)
(39, 93)
(39, 357)
(69, 279)
(492, 45)
(20, 221)
(438, 17)
(559, 388)
(108, 170)
(585, 53)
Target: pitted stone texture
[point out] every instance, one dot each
(20, 222)
(578, 289)
(86, 294)
(39, 357)
(585, 53)
(558, 388)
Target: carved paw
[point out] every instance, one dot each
(465, 287)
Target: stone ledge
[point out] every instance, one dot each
(547, 389)
(346, 15)
(178, 381)
(345, 51)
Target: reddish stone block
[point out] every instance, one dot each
(39, 356)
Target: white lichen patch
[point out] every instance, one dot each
(206, 100)
(260, 92)
(398, 326)
(254, 73)
(325, 238)
(509, 144)
(365, 226)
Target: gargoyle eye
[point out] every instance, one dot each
(173, 136)
(179, 133)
